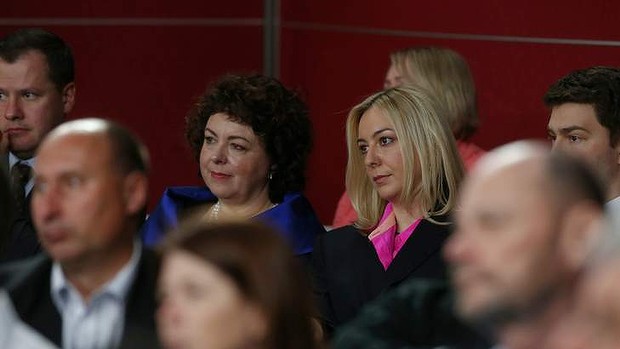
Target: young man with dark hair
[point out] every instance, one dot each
(585, 121)
(37, 90)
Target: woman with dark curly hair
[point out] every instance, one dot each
(251, 137)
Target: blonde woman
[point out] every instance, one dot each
(445, 75)
(403, 174)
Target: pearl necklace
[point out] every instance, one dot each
(214, 212)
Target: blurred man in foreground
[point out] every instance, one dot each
(94, 286)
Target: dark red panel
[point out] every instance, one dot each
(560, 19)
(135, 8)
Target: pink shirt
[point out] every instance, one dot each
(386, 240)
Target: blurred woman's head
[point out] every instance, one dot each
(258, 141)
(233, 285)
(400, 149)
(446, 75)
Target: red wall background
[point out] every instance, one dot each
(143, 62)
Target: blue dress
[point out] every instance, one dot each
(294, 218)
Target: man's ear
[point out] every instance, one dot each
(136, 188)
(582, 226)
(68, 97)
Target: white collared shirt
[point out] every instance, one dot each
(98, 324)
(13, 160)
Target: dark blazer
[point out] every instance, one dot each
(417, 314)
(348, 273)
(28, 284)
(22, 241)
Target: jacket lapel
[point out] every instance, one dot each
(33, 301)
(140, 331)
(426, 240)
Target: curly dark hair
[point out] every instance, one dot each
(598, 86)
(276, 115)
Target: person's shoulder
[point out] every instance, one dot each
(295, 198)
(347, 234)
(347, 229)
(440, 223)
(199, 194)
(13, 274)
(417, 314)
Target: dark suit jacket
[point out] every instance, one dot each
(417, 314)
(22, 241)
(28, 284)
(348, 273)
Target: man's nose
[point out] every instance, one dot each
(12, 109)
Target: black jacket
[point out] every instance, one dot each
(418, 314)
(348, 273)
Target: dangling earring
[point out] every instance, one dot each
(270, 175)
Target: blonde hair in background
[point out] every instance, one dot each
(428, 150)
(447, 76)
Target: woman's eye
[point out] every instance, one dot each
(209, 139)
(238, 147)
(363, 148)
(386, 140)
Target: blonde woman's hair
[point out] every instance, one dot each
(428, 151)
(447, 76)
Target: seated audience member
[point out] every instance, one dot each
(445, 75)
(525, 224)
(403, 174)
(37, 91)
(94, 286)
(251, 137)
(585, 121)
(233, 285)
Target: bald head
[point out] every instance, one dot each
(129, 153)
(522, 229)
(561, 178)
